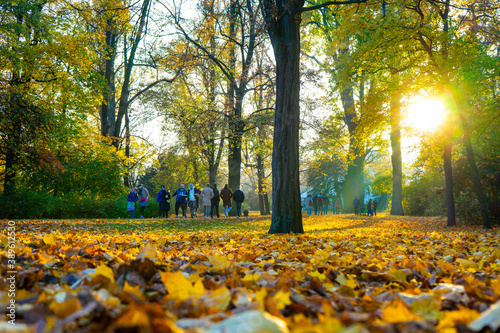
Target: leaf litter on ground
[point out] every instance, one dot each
(345, 274)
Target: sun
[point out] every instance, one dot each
(426, 114)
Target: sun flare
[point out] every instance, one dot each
(426, 114)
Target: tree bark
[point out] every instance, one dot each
(448, 175)
(353, 185)
(397, 166)
(129, 65)
(286, 207)
(108, 105)
(263, 198)
(476, 178)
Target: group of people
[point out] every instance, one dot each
(320, 203)
(192, 197)
(371, 207)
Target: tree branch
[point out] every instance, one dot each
(330, 3)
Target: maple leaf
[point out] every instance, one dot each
(179, 287)
(397, 311)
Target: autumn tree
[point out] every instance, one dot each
(46, 83)
(239, 33)
(283, 19)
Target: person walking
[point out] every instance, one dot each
(337, 206)
(320, 203)
(315, 204)
(238, 197)
(309, 205)
(158, 200)
(207, 194)
(215, 202)
(193, 195)
(226, 195)
(375, 207)
(180, 201)
(326, 203)
(143, 195)
(356, 204)
(164, 202)
(132, 198)
(369, 211)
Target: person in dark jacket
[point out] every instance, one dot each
(132, 198)
(315, 204)
(238, 197)
(356, 204)
(158, 199)
(375, 207)
(320, 203)
(215, 202)
(226, 195)
(326, 203)
(369, 211)
(180, 201)
(164, 203)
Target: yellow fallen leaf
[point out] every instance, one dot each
(398, 274)
(218, 298)
(451, 318)
(105, 271)
(346, 280)
(397, 312)
(49, 239)
(467, 263)
(260, 297)
(134, 316)
(63, 309)
(127, 288)
(149, 252)
(219, 263)
(179, 287)
(282, 299)
(251, 277)
(317, 274)
(495, 284)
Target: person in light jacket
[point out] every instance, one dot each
(143, 195)
(206, 202)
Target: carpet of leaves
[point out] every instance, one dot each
(345, 274)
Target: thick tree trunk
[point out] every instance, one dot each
(448, 175)
(286, 208)
(397, 165)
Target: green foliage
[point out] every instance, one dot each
(40, 204)
(424, 195)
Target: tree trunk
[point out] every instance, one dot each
(353, 185)
(397, 166)
(286, 210)
(9, 172)
(126, 180)
(108, 105)
(129, 65)
(448, 175)
(476, 178)
(263, 199)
